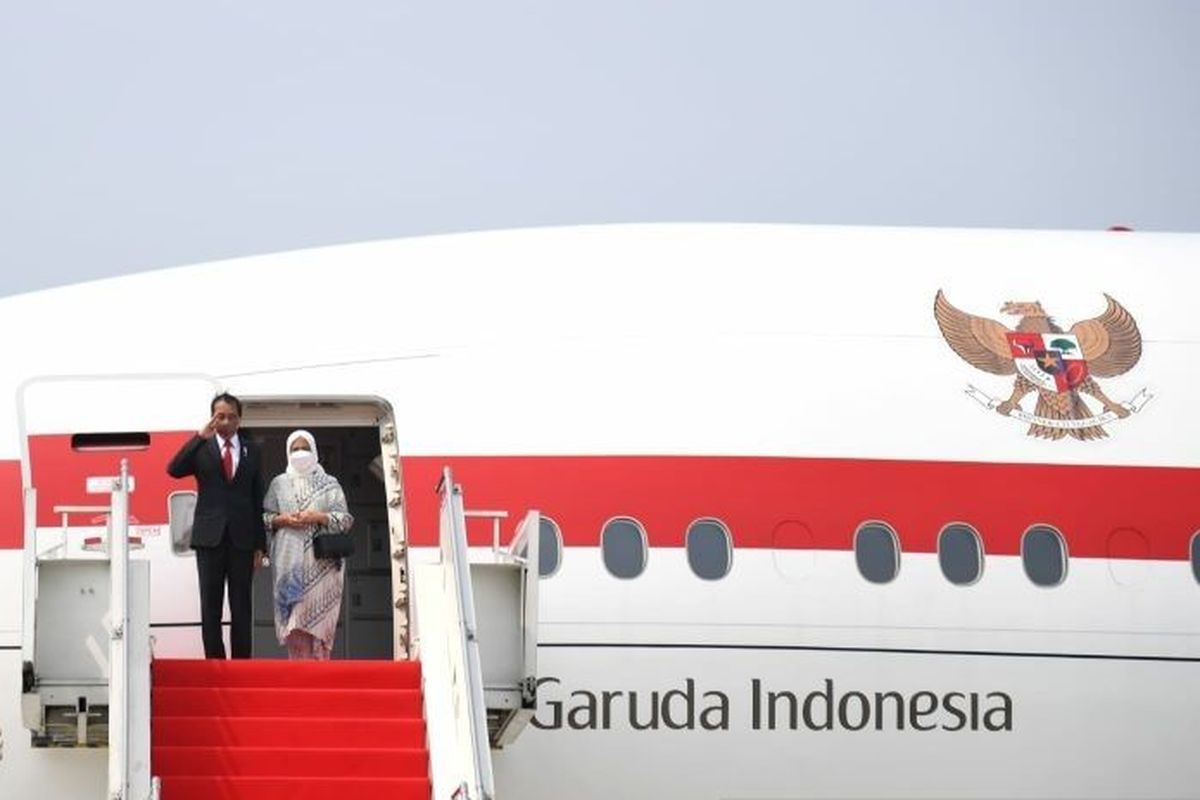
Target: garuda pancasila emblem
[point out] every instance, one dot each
(1060, 366)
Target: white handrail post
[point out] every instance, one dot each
(456, 560)
(29, 578)
(118, 662)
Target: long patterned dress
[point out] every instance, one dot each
(307, 589)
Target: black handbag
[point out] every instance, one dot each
(333, 545)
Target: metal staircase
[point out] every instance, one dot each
(86, 645)
(476, 624)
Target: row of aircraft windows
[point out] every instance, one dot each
(876, 551)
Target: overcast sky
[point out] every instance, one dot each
(138, 135)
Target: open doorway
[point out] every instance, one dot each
(353, 440)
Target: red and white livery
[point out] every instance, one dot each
(796, 543)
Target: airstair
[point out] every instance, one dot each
(476, 635)
(86, 642)
(181, 729)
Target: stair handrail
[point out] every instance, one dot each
(118, 663)
(525, 549)
(466, 675)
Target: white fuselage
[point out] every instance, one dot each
(790, 383)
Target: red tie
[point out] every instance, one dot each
(227, 460)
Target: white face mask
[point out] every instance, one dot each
(302, 460)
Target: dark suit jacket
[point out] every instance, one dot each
(220, 504)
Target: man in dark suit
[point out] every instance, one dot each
(227, 532)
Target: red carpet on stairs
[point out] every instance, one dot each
(289, 730)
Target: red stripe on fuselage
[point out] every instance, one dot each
(60, 476)
(12, 513)
(1115, 512)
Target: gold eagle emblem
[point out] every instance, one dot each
(1061, 366)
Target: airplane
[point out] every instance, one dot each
(822, 511)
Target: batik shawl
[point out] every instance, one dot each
(307, 590)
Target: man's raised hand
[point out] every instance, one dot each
(210, 428)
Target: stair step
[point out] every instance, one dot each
(290, 788)
(261, 702)
(287, 732)
(278, 674)
(306, 762)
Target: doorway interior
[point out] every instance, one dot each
(350, 442)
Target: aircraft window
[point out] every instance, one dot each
(876, 552)
(709, 549)
(623, 545)
(549, 547)
(181, 508)
(960, 554)
(1044, 555)
(1196, 555)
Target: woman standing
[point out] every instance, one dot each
(301, 502)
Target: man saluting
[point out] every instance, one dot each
(227, 532)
